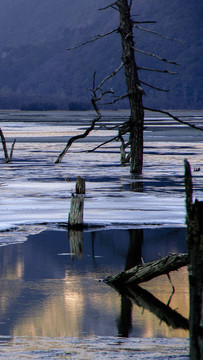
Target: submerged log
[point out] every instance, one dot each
(148, 271)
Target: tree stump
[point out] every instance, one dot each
(75, 218)
(80, 186)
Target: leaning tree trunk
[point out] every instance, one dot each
(133, 87)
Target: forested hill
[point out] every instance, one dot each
(36, 70)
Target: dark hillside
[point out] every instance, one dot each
(36, 68)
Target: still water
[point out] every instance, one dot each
(50, 284)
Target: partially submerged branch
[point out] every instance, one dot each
(148, 271)
(81, 136)
(7, 157)
(173, 117)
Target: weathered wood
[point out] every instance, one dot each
(148, 271)
(75, 219)
(80, 185)
(195, 252)
(3, 140)
(135, 91)
(4, 146)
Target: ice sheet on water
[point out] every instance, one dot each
(34, 190)
(96, 348)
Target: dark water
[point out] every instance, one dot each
(49, 284)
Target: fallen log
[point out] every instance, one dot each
(148, 271)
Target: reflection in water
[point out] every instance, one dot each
(137, 183)
(76, 242)
(133, 258)
(47, 292)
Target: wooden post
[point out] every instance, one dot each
(80, 186)
(75, 218)
(195, 269)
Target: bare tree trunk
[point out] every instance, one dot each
(133, 86)
(195, 252)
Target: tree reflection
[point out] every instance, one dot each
(76, 243)
(134, 257)
(137, 184)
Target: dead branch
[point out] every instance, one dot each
(124, 158)
(74, 138)
(153, 87)
(156, 70)
(88, 130)
(174, 117)
(124, 128)
(108, 6)
(98, 37)
(117, 99)
(156, 56)
(148, 271)
(102, 144)
(156, 33)
(109, 76)
(145, 22)
(3, 140)
(12, 149)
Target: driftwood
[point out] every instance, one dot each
(8, 158)
(148, 271)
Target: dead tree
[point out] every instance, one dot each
(134, 127)
(195, 268)
(7, 157)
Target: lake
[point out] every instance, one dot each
(52, 295)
